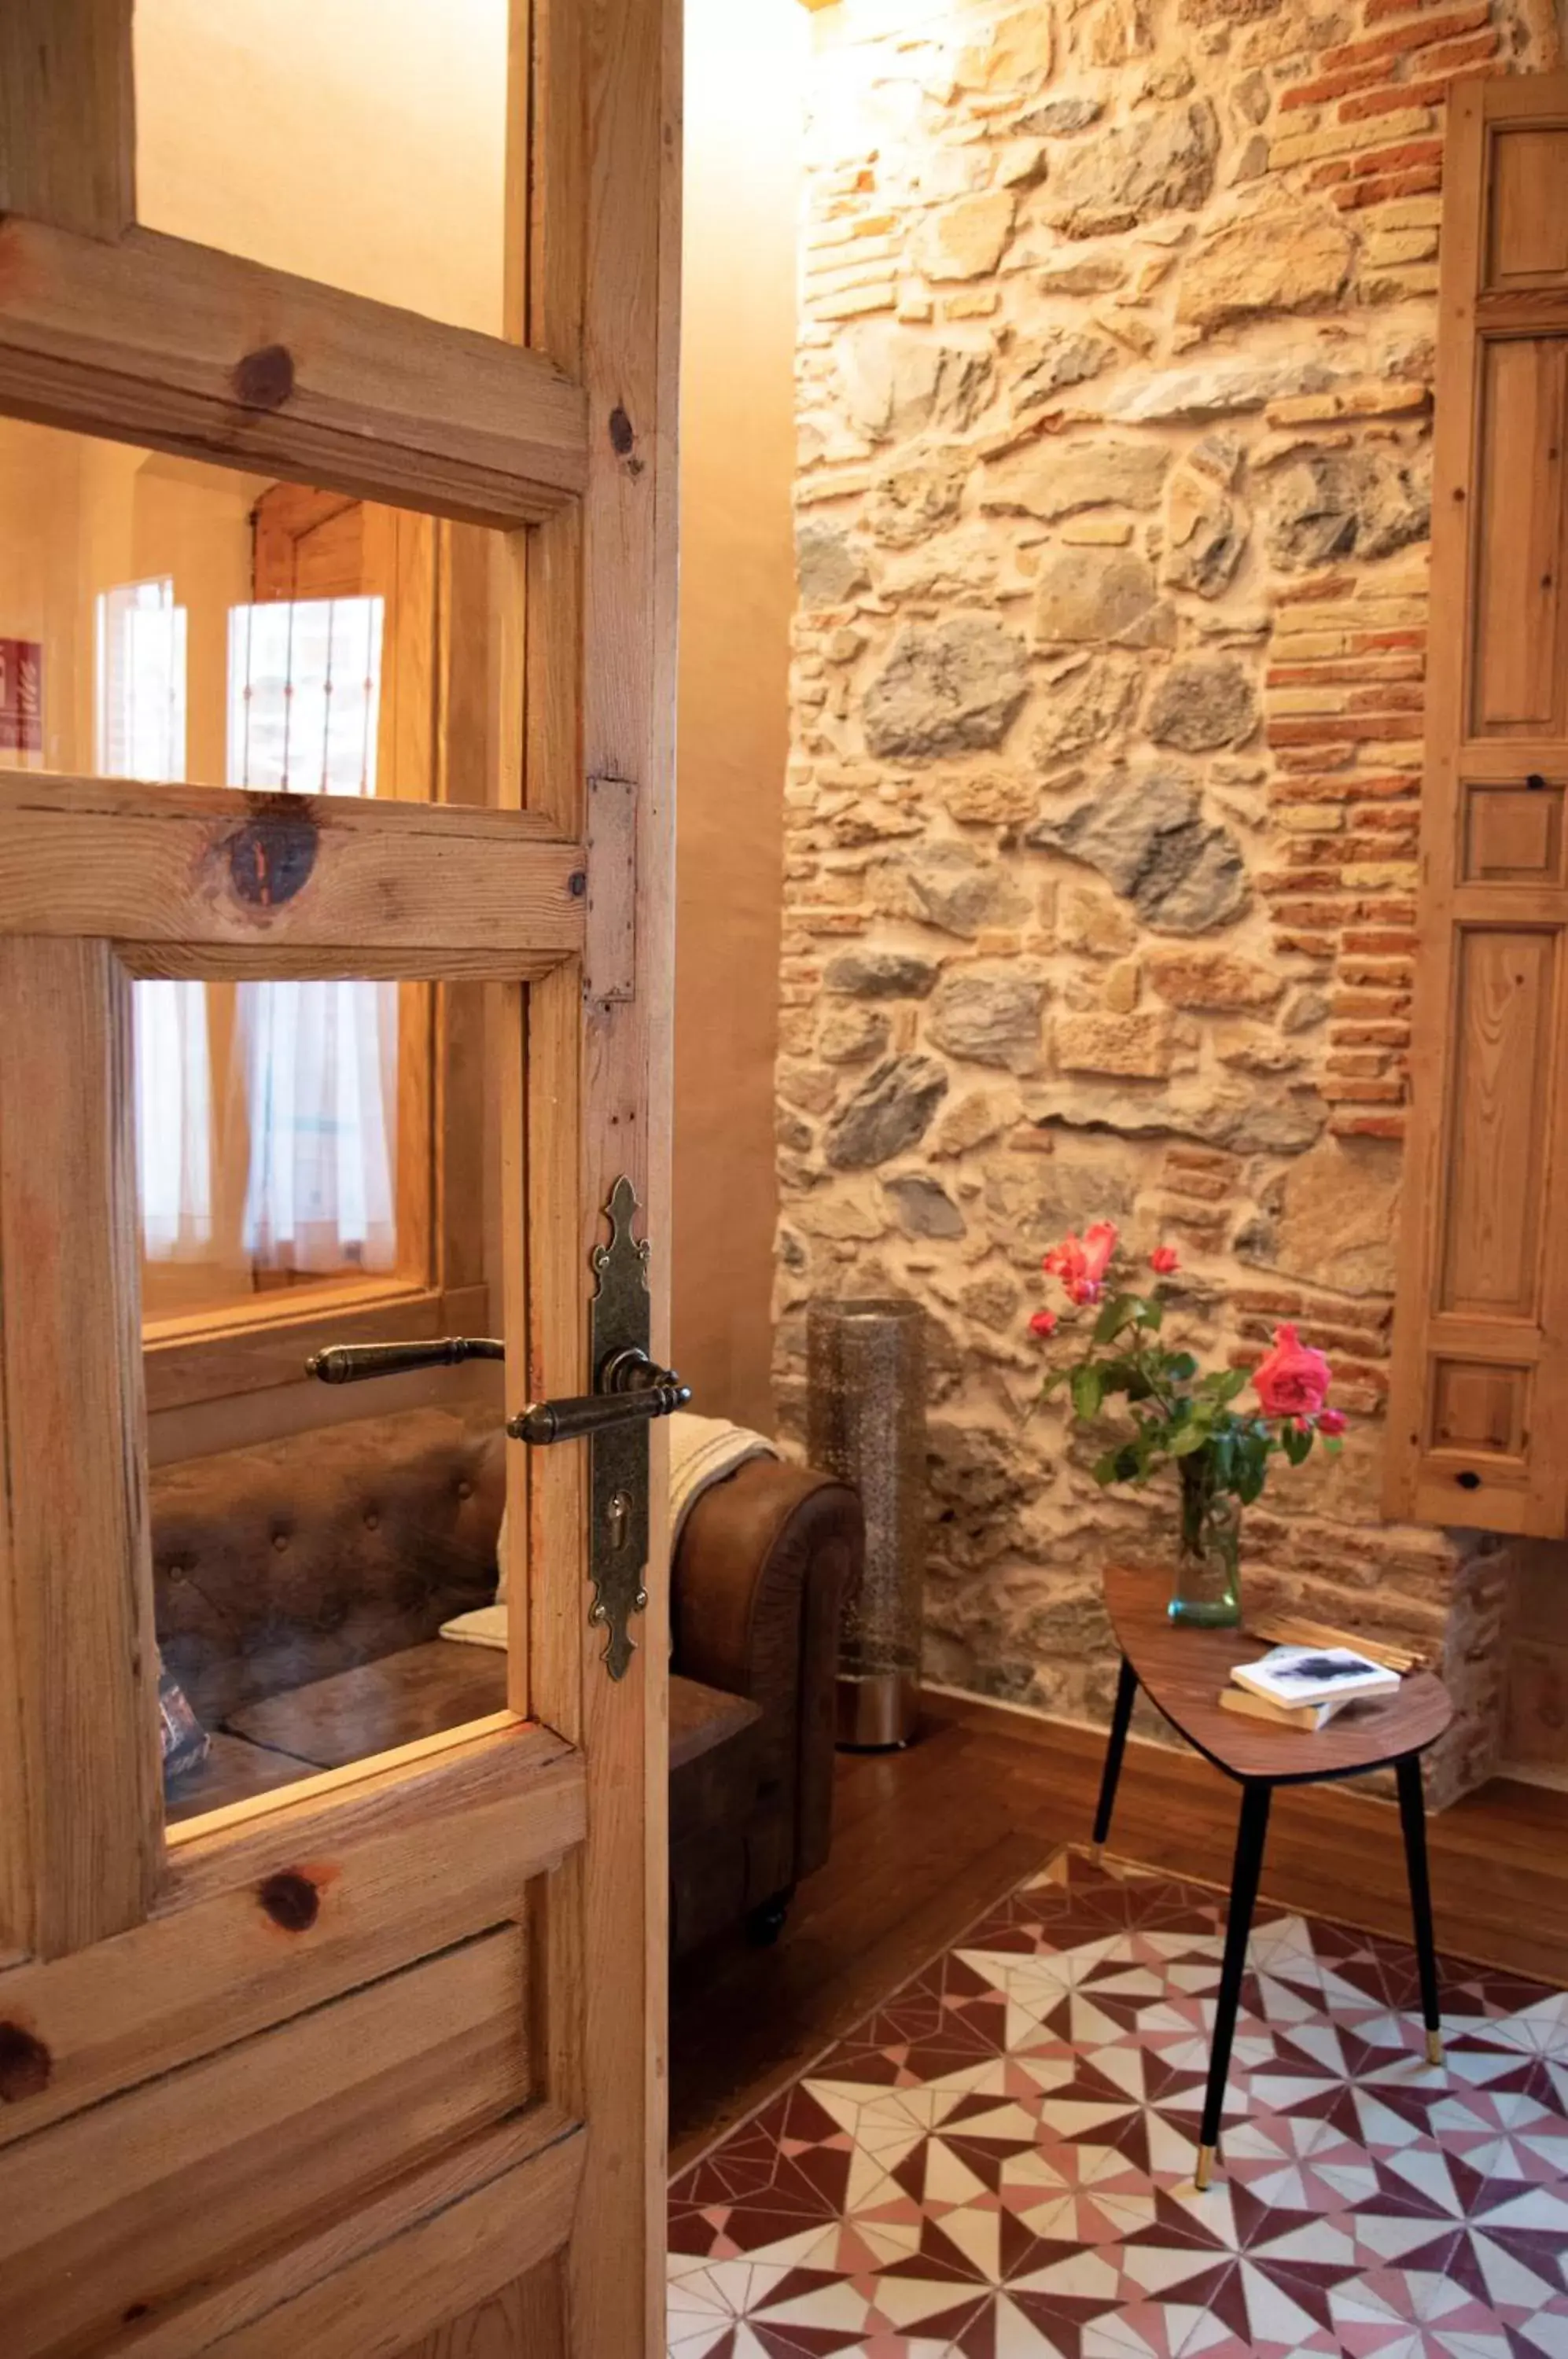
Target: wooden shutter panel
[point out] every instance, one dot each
(1478, 1430)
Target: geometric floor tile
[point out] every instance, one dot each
(998, 2163)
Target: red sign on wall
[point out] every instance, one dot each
(21, 696)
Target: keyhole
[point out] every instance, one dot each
(619, 1518)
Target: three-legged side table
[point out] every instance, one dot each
(1181, 1670)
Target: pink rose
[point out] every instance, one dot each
(1065, 1261)
(1099, 1244)
(1332, 1420)
(1294, 1379)
(1163, 1260)
(1082, 1261)
(1043, 1323)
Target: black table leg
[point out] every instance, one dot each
(1412, 1818)
(1256, 1795)
(1126, 1692)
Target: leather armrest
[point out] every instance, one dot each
(756, 1590)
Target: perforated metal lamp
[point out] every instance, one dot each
(867, 1424)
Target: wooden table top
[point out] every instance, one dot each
(1183, 1670)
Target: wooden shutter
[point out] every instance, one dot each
(1479, 1415)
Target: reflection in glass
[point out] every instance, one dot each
(305, 695)
(168, 620)
(325, 1583)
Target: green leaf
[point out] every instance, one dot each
(1118, 1313)
(1152, 1313)
(1088, 1389)
(1182, 1367)
(1296, 1443)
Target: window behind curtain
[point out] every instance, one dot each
(304, 1081)
(140, 734)
(319, 1060)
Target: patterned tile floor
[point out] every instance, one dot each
(999, 2162)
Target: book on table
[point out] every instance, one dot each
(1306, 1687)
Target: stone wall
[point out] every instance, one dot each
(1115, 379)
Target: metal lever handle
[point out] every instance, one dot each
(632, 1387)
(352, 1363)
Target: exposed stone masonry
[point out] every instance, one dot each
(1114, 393)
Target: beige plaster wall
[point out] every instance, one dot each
(362, 142)
(743, 162)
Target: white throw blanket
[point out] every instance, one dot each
(702, 1450)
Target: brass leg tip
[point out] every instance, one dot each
(1435, 2048)
(1206, 2170)
(1096, 1853)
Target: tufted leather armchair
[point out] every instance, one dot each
(301, 1586)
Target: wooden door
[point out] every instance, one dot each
(1478, 1420)
(371, 2065)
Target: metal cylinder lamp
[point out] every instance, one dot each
(867, 1424)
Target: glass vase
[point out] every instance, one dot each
(1207, 1585)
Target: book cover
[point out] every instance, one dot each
(1298, 1674)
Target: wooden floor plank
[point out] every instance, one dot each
(926, 1840)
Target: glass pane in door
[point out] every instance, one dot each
(168, 620)
(325, 1554)
(361, 143)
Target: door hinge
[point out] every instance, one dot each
(609, 946)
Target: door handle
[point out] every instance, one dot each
(352, 1363)
(630, 1390)
(633, 1390)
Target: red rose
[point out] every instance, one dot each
(1332, 1420)
(1163, 1260)
(1294, 1380)
(1043, 1323)
(1081, 1262)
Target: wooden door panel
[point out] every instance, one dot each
(162, 2189)
(1513, 835)
(1520, 602)
(279, 1910)
(1504, 1007)
(1478, 1409)
(427, 2250)
(526, 2319)
(1528, 227)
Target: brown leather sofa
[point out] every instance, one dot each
(301, 1586)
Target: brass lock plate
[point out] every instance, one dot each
(622, 1320)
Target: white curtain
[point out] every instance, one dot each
(320, 1060)
(174, 1120)
(141, 671)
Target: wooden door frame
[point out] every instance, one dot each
(570, 429)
